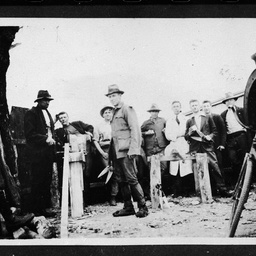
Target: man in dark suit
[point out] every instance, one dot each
(238, 139)
(200, 133)
(77, 127)
(39, 133)
(221, 135)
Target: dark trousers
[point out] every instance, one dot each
(237, 148)
(41, 177)
(128, 181)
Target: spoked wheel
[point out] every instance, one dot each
(241, 194)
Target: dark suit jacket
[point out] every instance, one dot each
(207, 128)
(220, 139)
(36, 135)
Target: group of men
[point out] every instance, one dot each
(120, 140)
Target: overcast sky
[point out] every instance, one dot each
(152, 60)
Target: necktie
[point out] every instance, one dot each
(177, 120)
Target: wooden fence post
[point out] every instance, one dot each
(155, 182)
(64, 201)
(203, 177)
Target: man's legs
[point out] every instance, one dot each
(216, 173)
(41, 174)
(130, 186)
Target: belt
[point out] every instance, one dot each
(235, 134)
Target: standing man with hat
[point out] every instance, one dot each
(39, 133)
(125, 146)
(102, 138)
(153, 135)
(238, 140)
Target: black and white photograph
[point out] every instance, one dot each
(127, 130)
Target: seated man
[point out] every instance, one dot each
(77, 127)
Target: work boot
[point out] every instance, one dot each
(112, 201)
(223, 192)
(143, 212)
(126, 211)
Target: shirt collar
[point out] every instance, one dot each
(200, 113)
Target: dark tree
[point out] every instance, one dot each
(8, 155)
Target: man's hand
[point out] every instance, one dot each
(16, 180)
(149, 132)
(220, 148)
(132, 156)
(207, 137)
(50, 141)
(105, 155)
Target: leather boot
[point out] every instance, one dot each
(143, 211)
(112, 201)
(12, 221)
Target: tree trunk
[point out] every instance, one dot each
(8, 160)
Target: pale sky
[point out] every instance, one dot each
(152, 60)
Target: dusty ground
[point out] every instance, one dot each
(187, 217)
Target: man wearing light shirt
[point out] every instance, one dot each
(200, 133)
(179, 170)
(238, 140)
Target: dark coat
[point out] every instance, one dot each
(62, 136)
(158, 136)
(36, 135)
(220, 139)
(207, 128)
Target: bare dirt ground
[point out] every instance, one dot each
(187, 217)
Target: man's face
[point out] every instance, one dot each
(195, 106)
(64, 119)
(115, 98)
(230, 103)
(154, 114)
(207, 108)
(107, 115)
(44, 103)
(176, 108)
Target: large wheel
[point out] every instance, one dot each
(241, 194)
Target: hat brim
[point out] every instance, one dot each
(120, 92)
(151, 110)
(41, 98)
(230, 98)
(103, 110)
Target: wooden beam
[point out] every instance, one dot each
(203, 177)
(64, 202)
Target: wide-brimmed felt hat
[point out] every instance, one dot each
(43, 94)
(104, 108)
(113, 88)
(154, 107)
(229, 96)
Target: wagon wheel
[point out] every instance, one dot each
(242, 189)
(241, 194)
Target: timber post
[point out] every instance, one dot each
(201, 177)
